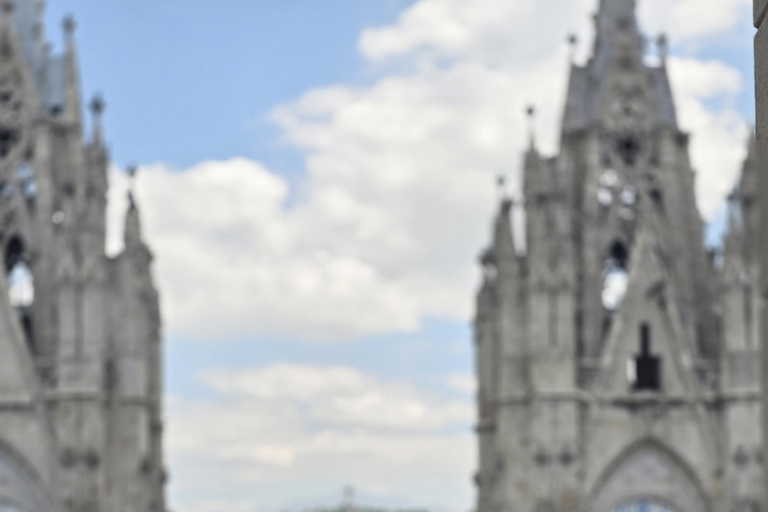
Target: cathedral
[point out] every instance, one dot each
(80, 379)
(617, 358)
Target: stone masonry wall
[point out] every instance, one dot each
(761, 125)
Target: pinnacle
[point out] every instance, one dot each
(97, 105)
(69, 25)
(616, 6)
(8, 6)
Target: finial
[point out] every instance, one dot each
(132, 170)
(349, 499)
(8, 7)
(69, 25)
(530, 111)
(97, 109)
(504, 199)
(573, 42)
(663, 44)
(501, 186)
(97, 105)
(734, 206)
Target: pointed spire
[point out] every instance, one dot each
(97, 110)
(71, 74)
(616, 31)
(752, 145)
(37, 44)
(503, 236)
(501, 186)
(530, 112)
(573, 45)
(7, 6)
(735, 221)
(616, 8)
(132, 236)
(662, 43)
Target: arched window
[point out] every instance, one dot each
(628, 148)
(21, 285)
(644, 506)
(615, 276)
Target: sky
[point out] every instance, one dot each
(316, 182)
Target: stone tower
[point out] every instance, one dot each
(617, 360)
(80, 409)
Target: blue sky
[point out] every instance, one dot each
(204, 77)
(316, 191)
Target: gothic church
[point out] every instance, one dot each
(617, 359)
(80, 381)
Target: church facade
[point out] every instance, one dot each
(617, 359)
(80, 379)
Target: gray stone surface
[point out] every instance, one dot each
(759, 11)
(761, 129)
(563, 422)
(80, 397)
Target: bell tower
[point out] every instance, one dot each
(625, 336)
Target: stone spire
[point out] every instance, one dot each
(504, 239)
(97, 110)
(8, 6)
(618, 34)
(530, 112)
(133, 237)
(71, 74)
(662, 43)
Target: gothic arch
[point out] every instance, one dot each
(648, 470)
(20, 484)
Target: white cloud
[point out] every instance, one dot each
(705, 92)
(399, 189)
(232, 261)
(493, 31)
(382, 233)
(396, 206)
(275, 426)
(341, 396)
(461, 382)
(688, 21)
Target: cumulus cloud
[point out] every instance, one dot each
(462, 382)
(398, 193)
(340, 395)
(689, 21)
(705, 92)
(494, 31)
(382, 232)
(273, 426)
(396, 205)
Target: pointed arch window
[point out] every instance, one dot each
(615, 276)
(644, 506)
(21, 285)
(628, 148)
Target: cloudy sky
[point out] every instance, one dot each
(317, 180)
